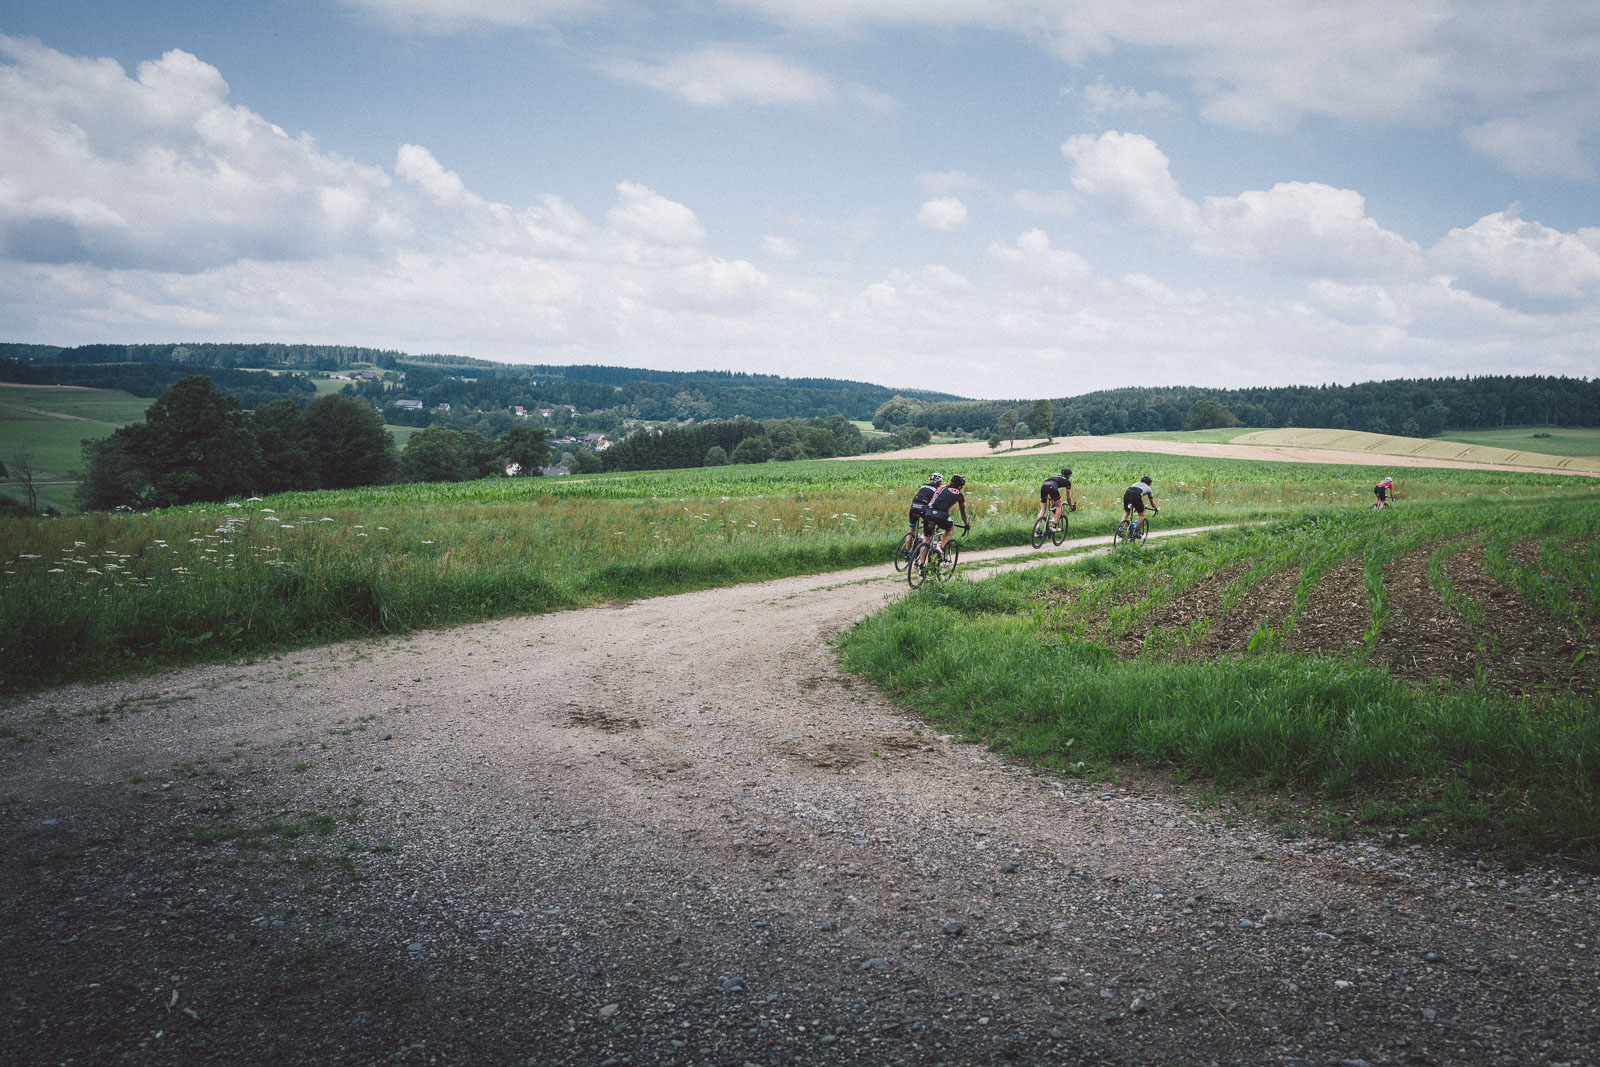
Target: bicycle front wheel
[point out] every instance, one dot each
(947, 565)
(917, 571)
(902, 551)
(1041, 530)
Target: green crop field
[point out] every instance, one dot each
(1421, 673)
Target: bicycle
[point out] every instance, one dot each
(1055, 532)
(906, 548)
(1131, 532)
(939, 563)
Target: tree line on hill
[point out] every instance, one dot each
(742, 440)
(1409, 407)
(252, 388)
(462, 381)
(196, 444)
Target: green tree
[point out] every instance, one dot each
(527, 449)
(751, 450)
(1006, 425)
(353, 445)
(288, 455)
(1039, 418)
(195, 444)
(716, 456)
(1431, 420)
(586, 462)
(894, 412)
(113, 477)
(433, 454)
(995, 441)
(1208, 415)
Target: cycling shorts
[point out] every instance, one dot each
(1381, 492)
(1133, 500)
(1049, 493)
(940, 519)
(916, 513)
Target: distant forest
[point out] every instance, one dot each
(626, 396)
(1422, 407)
(459, 381)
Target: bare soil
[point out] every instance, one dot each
(671, 832)
(1336, 615)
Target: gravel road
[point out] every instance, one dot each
(671, 832)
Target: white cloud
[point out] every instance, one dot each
(1102, 98)
(1131, 176)
(1501, 251)
(448, 16)
(1032, 251)
(1530, 148)
(644, 213)
(1306, 228)
(943, 213)
(723, 74)
(782, 248)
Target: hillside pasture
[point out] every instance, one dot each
(1549, 440)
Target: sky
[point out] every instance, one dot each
(992, 198)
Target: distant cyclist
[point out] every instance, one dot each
(1384, 491)
(1050, 495)
(1135, 495)
(937, 515)
(919, 502)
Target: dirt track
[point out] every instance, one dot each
(976, 449)
(671, 832)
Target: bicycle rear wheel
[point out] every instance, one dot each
(1120, 534)
(1060, 533)
(1041, 530)
(947, 565)
(902, 551)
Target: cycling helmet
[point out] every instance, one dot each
(1146, 480)
(935, 478)
(957, 480)
(1066, 472)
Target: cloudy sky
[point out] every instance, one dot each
(997, 198)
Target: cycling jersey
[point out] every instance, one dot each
(919, 503)
(945, 499)
(1134, 496)
(1051, 489)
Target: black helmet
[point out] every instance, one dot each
(1146, 480)
(1066, 472)
(957, 480)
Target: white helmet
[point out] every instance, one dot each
(935, 478)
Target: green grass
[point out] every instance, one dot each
(1561, 440)
(1025, 661)
(101, 595)
(56, 444)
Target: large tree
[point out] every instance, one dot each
(353, 445)
(527, 449)
(112, 476)
(288, 454)
(1040, 419)
(194, 444)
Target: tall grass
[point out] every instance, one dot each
(95, 595)
(1015, 660)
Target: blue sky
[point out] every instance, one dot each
(997, 198)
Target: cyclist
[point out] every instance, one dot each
(1133, 499)
(919, 502)
(1050, 495)
(937, 515)
(1383, 491)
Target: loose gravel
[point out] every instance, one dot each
(671, 832)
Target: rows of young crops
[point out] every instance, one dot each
(1032, 662)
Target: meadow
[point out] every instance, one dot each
(1426, 672)
(102, 594)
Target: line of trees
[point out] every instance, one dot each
(196, 444)
(252, 388)
(1411, 407)
(711, 444)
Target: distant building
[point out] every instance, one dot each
(442, 407)
(409, 405)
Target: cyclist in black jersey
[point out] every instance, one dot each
(1134, 496)
(937, 514)
(1050, 495)
(919, 502)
